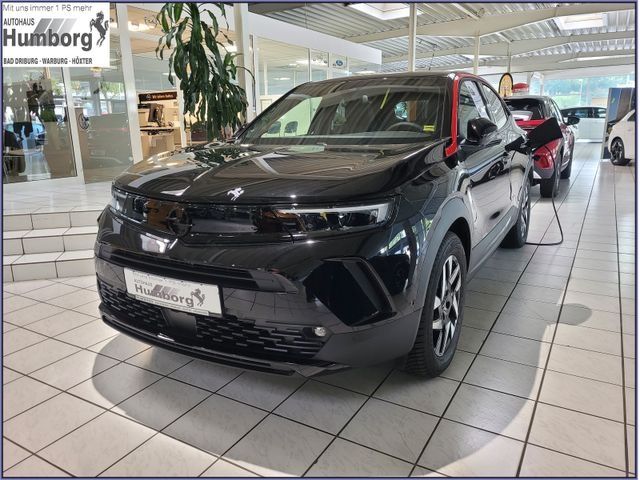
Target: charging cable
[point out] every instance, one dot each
(555, 211)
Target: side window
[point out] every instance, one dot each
(470, 106)
(496, 109)
(581, 112)
(632, 118)
(600, 112)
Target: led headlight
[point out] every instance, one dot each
(118, 199)
(338, 218)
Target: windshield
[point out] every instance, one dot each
(363, 111)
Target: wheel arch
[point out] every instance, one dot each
(462, 229)
(453, 216)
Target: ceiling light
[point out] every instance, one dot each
(471, 57)
(577, 22)
(282, 78)
(587, 59)
(384, 11)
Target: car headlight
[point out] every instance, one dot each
(118, 199)
(342, 218)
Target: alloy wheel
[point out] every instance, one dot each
(446, 308)
(616, 151)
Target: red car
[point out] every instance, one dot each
(553, 160)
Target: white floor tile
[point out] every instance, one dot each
(80, 454)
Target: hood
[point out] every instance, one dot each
(244, 174)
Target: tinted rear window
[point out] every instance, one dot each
(536, 107)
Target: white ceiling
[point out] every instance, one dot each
(502, 26)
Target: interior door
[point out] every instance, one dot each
(487, 166)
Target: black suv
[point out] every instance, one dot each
(338, 228)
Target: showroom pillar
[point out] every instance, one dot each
(130, 92)
(413, 25)
(245, 55)
(476, 56)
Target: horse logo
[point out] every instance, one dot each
(199, 296)
(101, 27)
(235, 193)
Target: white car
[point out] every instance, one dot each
(592, 120)
(622, 140)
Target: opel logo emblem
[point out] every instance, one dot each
(178, 221)
(235, 193)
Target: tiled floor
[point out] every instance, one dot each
(543, 382)
(55, 198)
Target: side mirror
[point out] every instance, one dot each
(571, 120)
(479, 128)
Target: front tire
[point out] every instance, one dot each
(549, 186)
(517, 236)
(618, 153)
(441, 318)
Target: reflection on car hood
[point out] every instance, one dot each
(225, 173)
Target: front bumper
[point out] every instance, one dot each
(268, 314)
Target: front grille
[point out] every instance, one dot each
(245, 338)
(234, 336)
(138, 314)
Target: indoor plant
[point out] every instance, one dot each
(205, 68)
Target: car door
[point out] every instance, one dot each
(567, 132)
(584, 129)
(599, 121)
(629, 140)
(486, 166)
(500, 116)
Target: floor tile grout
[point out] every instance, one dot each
(541, 385)
(567, 200)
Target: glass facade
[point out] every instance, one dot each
(101, 112)
(282, 66)
(37, 139)
(75, 122)
(589, 91)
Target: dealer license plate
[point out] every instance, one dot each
(189, 297)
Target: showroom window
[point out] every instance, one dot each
(578, 92)
(101, 113)
(37, 139)
(280, 68)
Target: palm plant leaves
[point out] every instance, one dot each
(206, 70)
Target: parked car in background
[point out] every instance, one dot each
(347, 242)
(622, 140)
(592, 120)
(553, 160)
